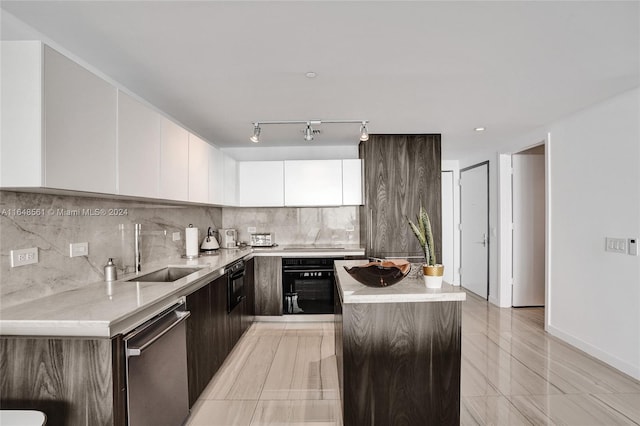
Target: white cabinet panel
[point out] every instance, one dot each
(313, 183)
(261, 183)
(138, 148)
(174, 161)
(21, 119)
(230, 181)
(351, 182)
(80, 127)
(216, 176)
(198, 169)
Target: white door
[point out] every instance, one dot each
(528, 229)
(447, 226)
(474, 218)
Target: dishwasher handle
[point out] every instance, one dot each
(156, 333)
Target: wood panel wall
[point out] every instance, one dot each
(70, 380)
(401, 364)
(268, 285)
(400, 171)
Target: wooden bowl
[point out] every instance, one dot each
(380, 274)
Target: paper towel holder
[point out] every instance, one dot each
(188, 256)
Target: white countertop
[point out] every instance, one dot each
(310, 250)
(410, 289)
(104, 309)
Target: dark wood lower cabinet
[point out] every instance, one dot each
(74, 381)
(399, 363)
(268, 285)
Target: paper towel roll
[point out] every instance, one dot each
(191, 239)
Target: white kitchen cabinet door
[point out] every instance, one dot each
(216, 176)
(198, 169)
(261, 183)
(313, 183)
(80, 127)
(21, 149)
(174, 161)
(138, 148)
(351, 182)
(230, 166)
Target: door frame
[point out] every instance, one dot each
(484, 163)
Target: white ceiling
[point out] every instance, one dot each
(408, 67)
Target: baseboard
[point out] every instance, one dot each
(295, 318)
(611, 360)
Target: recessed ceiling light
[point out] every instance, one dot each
(479, 129)
(311, 74)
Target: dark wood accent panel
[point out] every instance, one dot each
(119, 368)
(221, 345)
(70, 380)
(337, 312)
(250, 293)
(401, 364)
(399, 172)
(268, 285)
(199, 342)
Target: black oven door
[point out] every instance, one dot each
(235, 286)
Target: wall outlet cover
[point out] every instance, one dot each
(176, 236)
(78, 249)
(24, 257)
(251, 229)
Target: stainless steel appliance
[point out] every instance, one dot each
(156, 353)
(235, 285)
(228, 238)
(265, 239)
(308, 285)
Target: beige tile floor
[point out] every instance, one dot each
(513, 373)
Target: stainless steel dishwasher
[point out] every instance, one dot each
(157, 388)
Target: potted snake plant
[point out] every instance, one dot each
(432, 271)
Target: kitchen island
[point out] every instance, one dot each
(398, 351)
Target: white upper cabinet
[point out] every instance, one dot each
(313, 183)
(58, 122)
(138, 148)
(198, 169)
(351, 182)
(261, 183)
(216, 176)
(230, 167)
(174, 161)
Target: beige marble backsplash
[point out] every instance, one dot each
(297, 225)
(107, 225)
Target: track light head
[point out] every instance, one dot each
(364, 134)
(308, 133)
(255, 138)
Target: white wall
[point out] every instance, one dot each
(594, 296)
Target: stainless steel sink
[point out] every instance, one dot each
(165, 275)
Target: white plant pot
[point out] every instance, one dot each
(433, 281)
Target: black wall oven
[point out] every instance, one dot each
(235, 285)
(308, 285)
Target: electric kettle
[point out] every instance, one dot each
(210, 242)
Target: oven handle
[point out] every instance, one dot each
(306, 270)
(137, 351)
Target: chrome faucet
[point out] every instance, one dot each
(136, 248)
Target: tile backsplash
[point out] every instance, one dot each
(297, 225)
(52, 222)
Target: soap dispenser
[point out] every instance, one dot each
(110, 271)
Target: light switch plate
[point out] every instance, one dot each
(616, 245)
(78, 249)
(24, 257)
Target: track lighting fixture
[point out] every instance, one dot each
(256, 133)
(309, 131)
(364, 134)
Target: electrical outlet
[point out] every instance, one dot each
(24, 257)
(78, 249)
(176, 236)
(616, 245)
(251, 229)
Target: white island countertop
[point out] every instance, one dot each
(408, 290)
